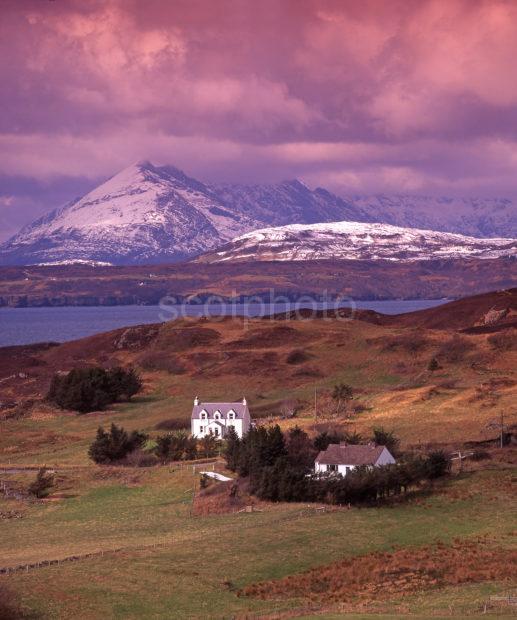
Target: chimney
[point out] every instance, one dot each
(196, 401)
(244, 401)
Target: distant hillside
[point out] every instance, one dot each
(355, 241)
(86, 285)
(484, 313)
(475, 312)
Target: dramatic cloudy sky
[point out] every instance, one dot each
(360, 96)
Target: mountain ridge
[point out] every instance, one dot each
(148, 213)
(151, 214)
(355, 241)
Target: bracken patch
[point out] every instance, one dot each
(383, 575)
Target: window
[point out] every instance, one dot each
(201, 429)
(331, 467)
(217, 415)
(216, 432)
(231, 415)
(231, 426)
(203, 415)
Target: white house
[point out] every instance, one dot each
(217, 418)
(342, 458)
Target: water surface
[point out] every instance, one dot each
(29, 325)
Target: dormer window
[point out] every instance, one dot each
(204, 415)
(217, 415)
(231, 415)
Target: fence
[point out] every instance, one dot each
(27, 566)
(503, 599)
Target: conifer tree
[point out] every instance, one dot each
(232, 449)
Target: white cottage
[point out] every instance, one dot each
(342, 458)
(217, 418)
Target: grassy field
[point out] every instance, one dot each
(152, 559)
(175, 565)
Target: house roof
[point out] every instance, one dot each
(347, 454)
(240, 409)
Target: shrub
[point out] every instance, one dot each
(123, 383)
(433, 364)
(411, 342)
(139, 458)
(176, 447)
(503, 341)
(382, 437)
(297, 356)
(455, 349)
(42, 485)
(115, 445)
(289, 408)
(342, 393)
(437, 465)
(353, 438)
(92, 389)
(208, 446)
(325, 438)
(173, 424)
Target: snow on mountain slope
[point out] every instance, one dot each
(476, 217)
(290, 202)
(142, 214)
(355, 241)
(148, 213)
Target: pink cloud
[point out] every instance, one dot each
(415, 95)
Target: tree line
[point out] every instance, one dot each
(116, 445)
(280, 468)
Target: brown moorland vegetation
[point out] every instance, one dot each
(385, 361)
(83, 285)
(383, 575)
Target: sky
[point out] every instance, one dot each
(359, 96)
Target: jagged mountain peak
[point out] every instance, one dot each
(151, 213)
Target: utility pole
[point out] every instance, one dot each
(501, 426)
(315, 403)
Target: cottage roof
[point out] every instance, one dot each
(347, 454)
(240, 409)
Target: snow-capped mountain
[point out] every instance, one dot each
(290, 202)
(476, 217)
(142, 214)
(356, 241)
(150, 214)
